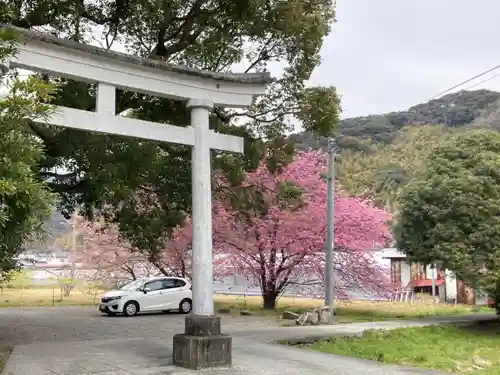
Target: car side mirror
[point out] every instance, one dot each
(146, 290)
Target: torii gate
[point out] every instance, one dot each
(202, 344)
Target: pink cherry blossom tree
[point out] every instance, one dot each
(102, 248)
(174, 259)
(274, 229)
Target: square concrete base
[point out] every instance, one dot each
(200, 352)
(202, 345)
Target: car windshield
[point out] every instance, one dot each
(133, 285)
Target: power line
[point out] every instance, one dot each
(464, 82)
(469, 87)
(483, 81)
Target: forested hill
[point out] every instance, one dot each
(459, 109)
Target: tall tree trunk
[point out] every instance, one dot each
(269, 298)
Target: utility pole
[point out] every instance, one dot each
(329, 238)
(73, 253)
(433, 270)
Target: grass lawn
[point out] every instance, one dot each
(345, 311)
(473, 350)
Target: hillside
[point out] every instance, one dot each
(384, 172)
(453, 110)
(380, 154)
(55, 226)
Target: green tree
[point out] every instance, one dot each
(451, 214)
(118, 176)
(25, 202)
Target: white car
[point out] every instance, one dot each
(149, 294)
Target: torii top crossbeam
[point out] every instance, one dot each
(112, 70)
(201, 89)
(86, 63)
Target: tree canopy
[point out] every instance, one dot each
(144, 187)
(25, 202)
(451, 214)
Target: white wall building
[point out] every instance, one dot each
(417, 278)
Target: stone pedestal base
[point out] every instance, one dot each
(200, 352)
(202, 345)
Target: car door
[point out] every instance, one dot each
(169, 295)
(181, 291)
(152, 300)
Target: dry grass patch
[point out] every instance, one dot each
(254, 304)
(45, 297)
(345, 311)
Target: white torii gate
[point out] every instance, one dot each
(201, 89)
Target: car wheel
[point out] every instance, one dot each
(131, 308)
(185, 306)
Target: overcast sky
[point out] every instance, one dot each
(388, 55)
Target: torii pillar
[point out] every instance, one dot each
(202, 345)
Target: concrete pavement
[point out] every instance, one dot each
(152, 357)
(122, 346)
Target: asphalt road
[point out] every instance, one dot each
(69, 324)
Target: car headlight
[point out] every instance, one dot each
(119, 297)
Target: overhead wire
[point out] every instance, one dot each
(467, 81)
(483, 81)
(463, 83)
(413, 108)
(467, 88)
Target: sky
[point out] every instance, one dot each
(388, 55)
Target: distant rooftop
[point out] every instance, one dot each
(392, 253)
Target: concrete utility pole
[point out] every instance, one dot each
(329, 238)
(73, 252)
(433, 275)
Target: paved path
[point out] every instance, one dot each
(78, 341)
(273, 333)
